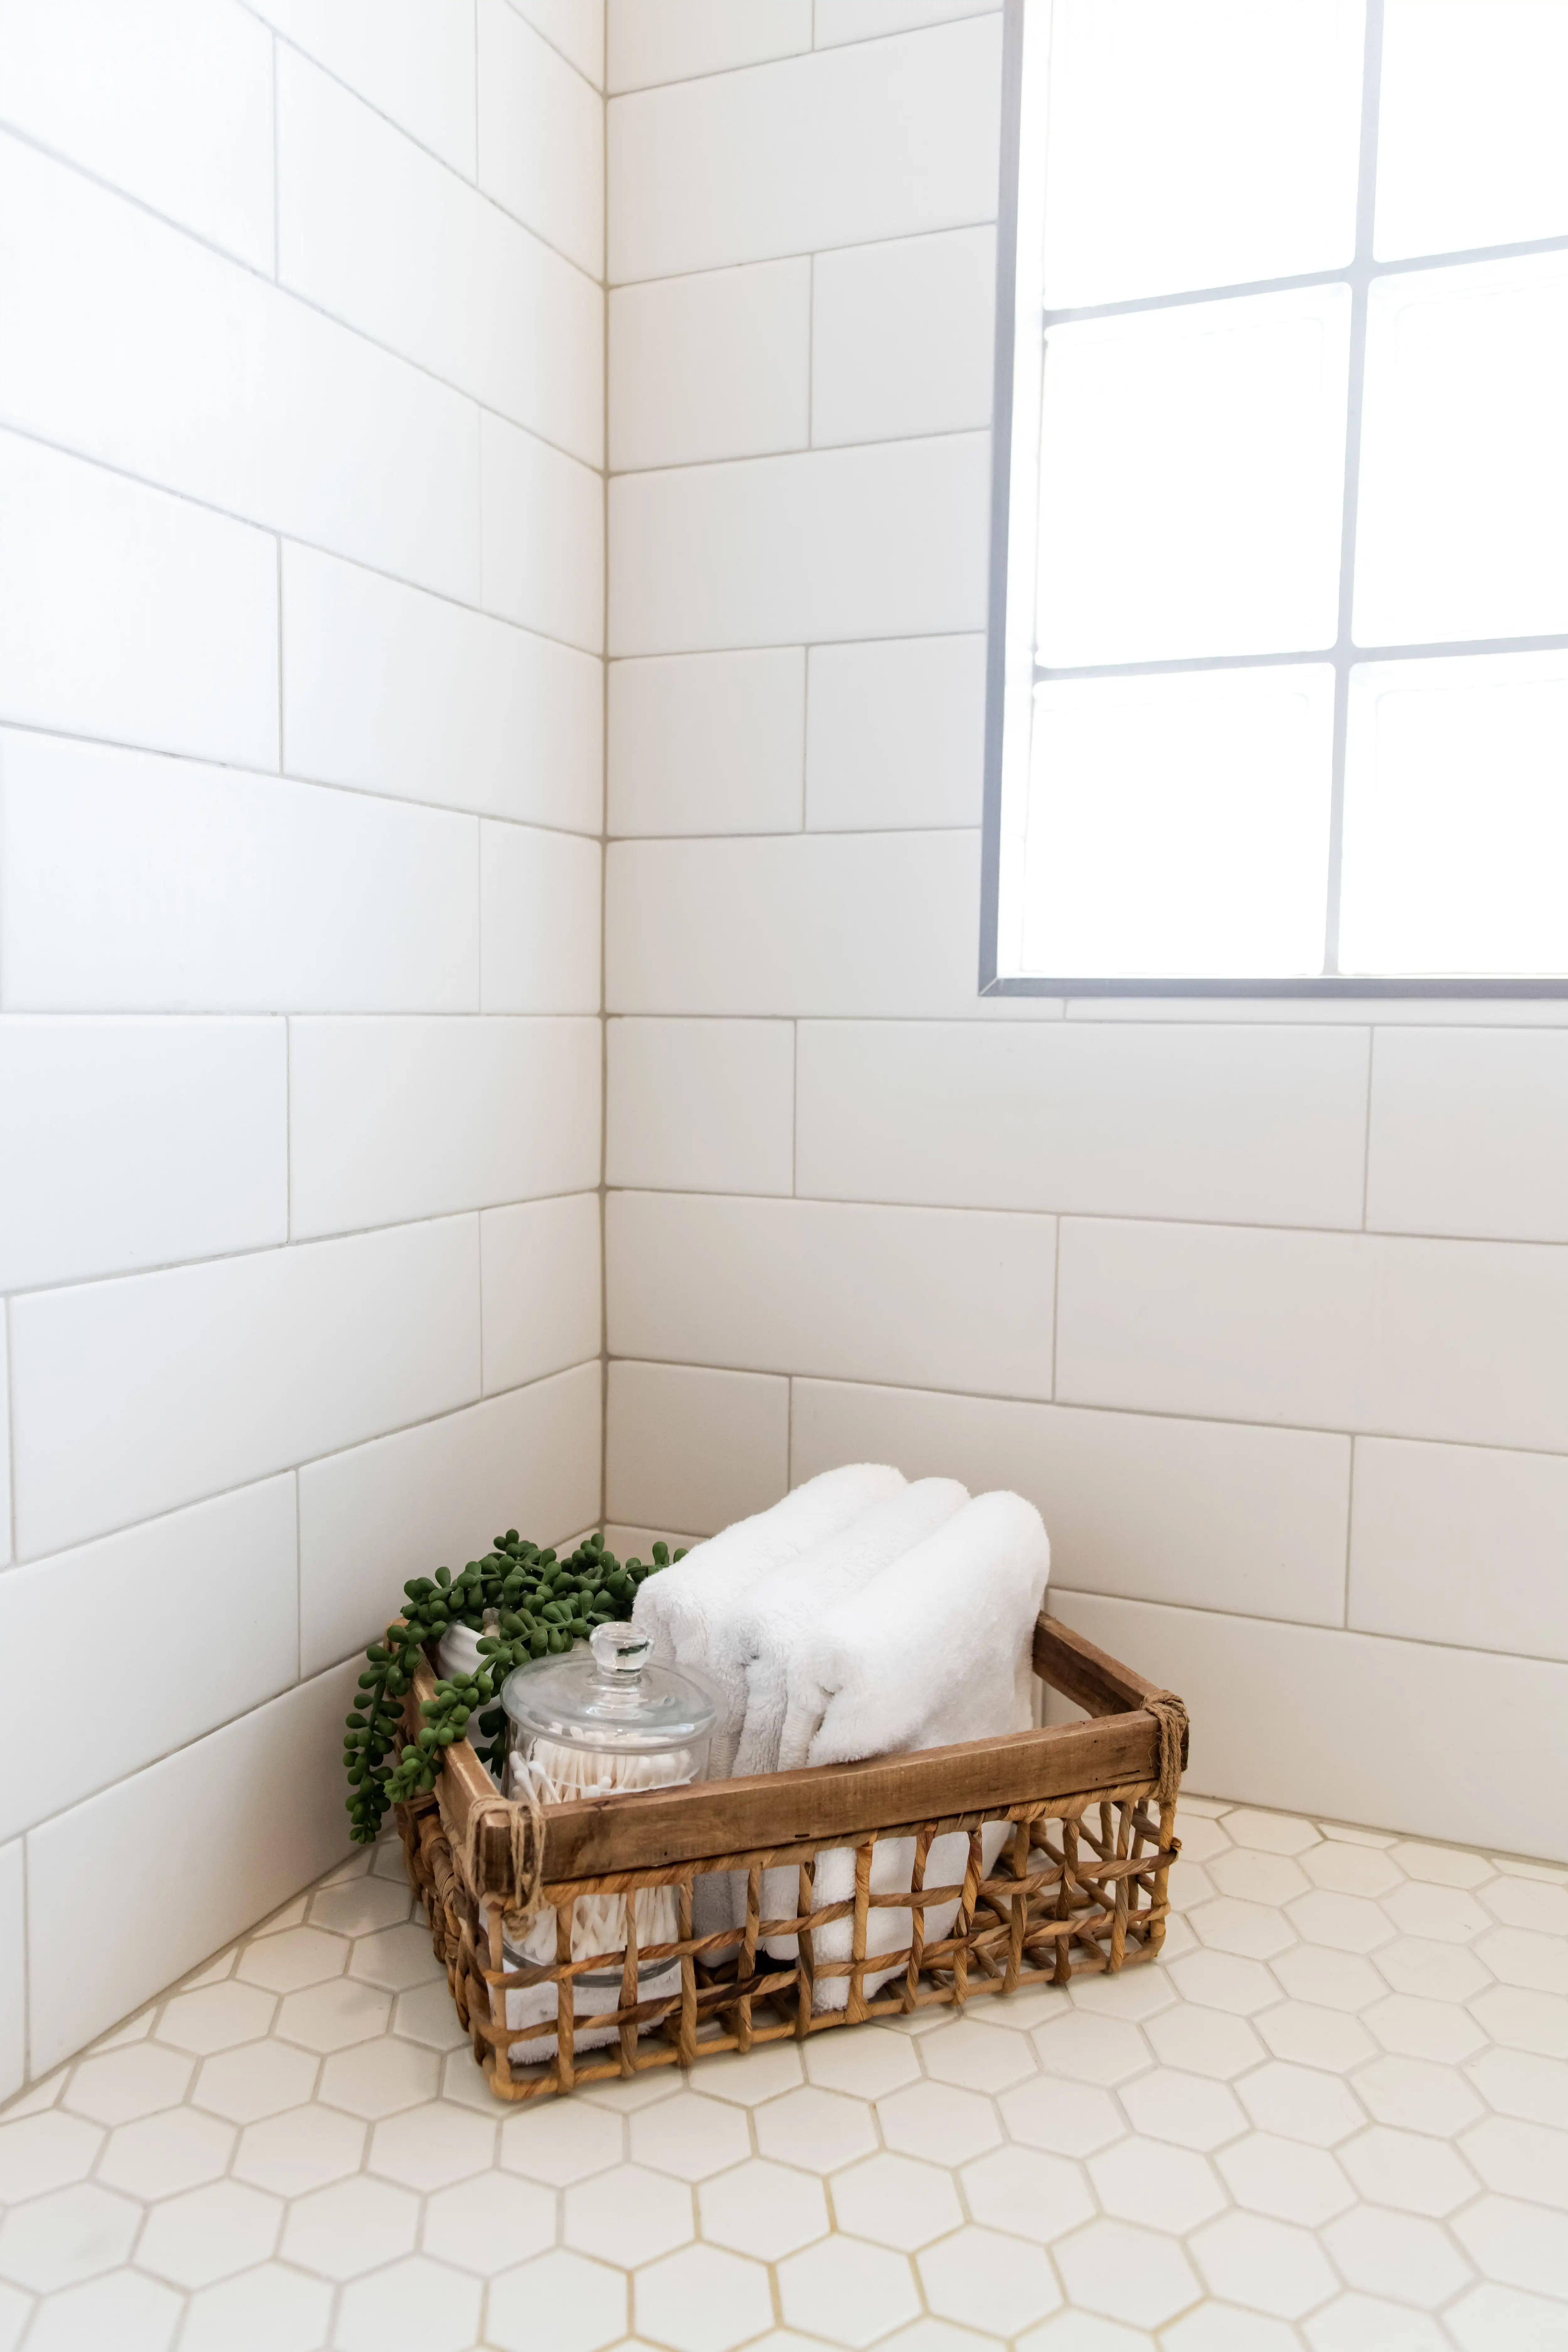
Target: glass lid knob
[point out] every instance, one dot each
(620, 1652)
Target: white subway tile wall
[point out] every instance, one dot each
(698, 1449)
(301, 746)
(713, 366)
(1263, 1304)
(304, 591)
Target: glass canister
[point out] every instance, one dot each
(605, 1718)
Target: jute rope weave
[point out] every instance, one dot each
(1078, 1886)
(522, 1826)
(1170, 1713)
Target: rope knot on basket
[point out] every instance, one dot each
(1171, 1714)
(522, 1824)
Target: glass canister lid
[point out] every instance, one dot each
(614, 1696)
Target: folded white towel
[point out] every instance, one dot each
(783, 1612)
(936, 1649)
(690, 1610)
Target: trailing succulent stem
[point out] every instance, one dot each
(542, 1606)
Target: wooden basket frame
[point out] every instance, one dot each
(1080, 1886)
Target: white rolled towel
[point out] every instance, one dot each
(689, 1609)
(935, 1650)
(783, 1612)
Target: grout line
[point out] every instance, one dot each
(264, 1477)
(796, 56)
(827, 449)
(554, 47)
(294, 1244)
(358, 791)
(1099, 1406)
(292, 293)
(268, 529)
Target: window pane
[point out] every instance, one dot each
(1456, 849)
(1191, 466)
(1464, 478)
(1211, 144)
(1178, 826)
(1471, 148)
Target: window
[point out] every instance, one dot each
(1278, 662)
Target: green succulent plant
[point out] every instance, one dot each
(543, 1605)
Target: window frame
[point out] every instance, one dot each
(1022, 178)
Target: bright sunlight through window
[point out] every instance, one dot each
(1278, 697)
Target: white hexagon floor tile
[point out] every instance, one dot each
(1334, 2118)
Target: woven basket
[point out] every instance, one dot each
(1079, 1886)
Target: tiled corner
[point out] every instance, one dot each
(1334, 2119)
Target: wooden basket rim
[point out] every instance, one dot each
(655, 1829)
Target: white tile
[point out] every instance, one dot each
(543, 535)
(876, 542)
(1469, 1133)
(259, 1801)
(540, 905)
(712, 366)
(867, 20)
(413, 62)
(895, 734)
(391, 690)
(541, 137)
(1260, 1696)
(669, 40)
(385, 236)
(1207, 1514)
(1228, 1125)
(214, 1630)
(391, 1119)
(127, 613)
(707, 742)
(1471, 1342)
(541, 1264)
(169, 100)
(902, 337)
(817, 923)
(693, 1449)
(5, 1453)
(575, 28)
(131, 882)
(700, 1106)
(13, 1972)
(439, 1496)
(1462, 1544)
(192, 1115)
(936, 1299)
(1457, 1340)
(131, 1397)
(812, 152)
(136, 346)
(1210, 1321)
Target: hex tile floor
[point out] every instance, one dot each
(1333, 2117)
